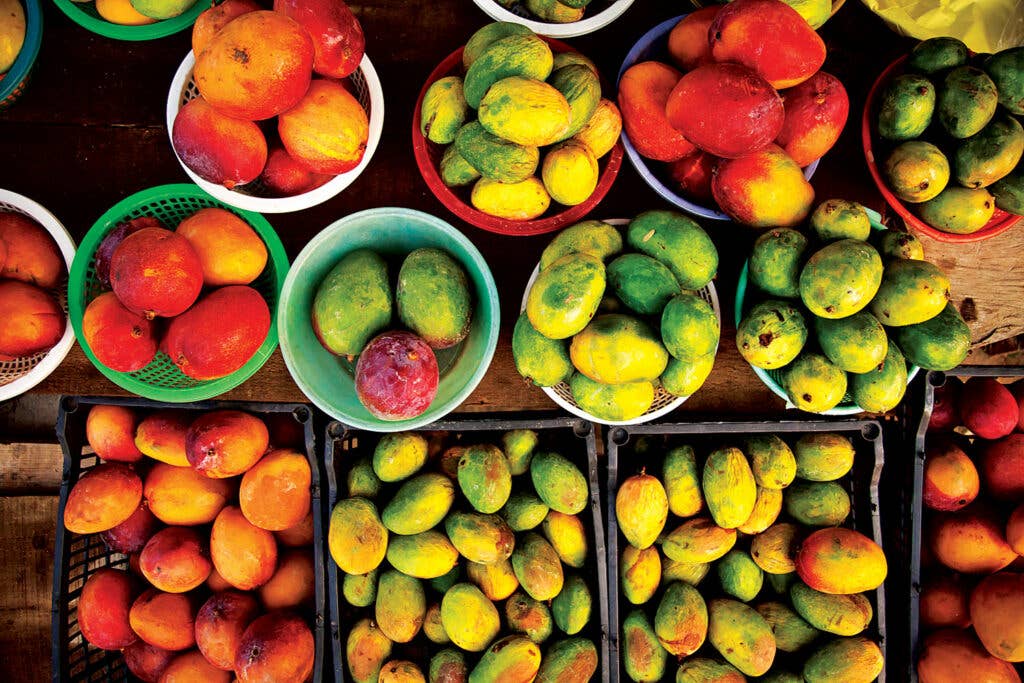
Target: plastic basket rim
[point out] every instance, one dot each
(762, 374)
(26, 59)
(997, 225)
(641, 164)
(159, 29)
(432, 413)
(648, 416)
(56, 355)
(570, 30)
(469, 213)
(277, 260)
(306, 200)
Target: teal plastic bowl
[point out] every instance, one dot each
(328, 380)
(773, 378)
(13, 84)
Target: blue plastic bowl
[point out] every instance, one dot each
(328, 380)
(654, 46)
(14, 82)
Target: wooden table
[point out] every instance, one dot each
(90, 131)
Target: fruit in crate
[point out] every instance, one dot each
(522, 125)
(658, 329)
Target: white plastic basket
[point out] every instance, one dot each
(252, 196)
(588, 24)
(21, 374)
(664, 402)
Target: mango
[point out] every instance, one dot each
(423, 556)
(752, 32)
(495, 158)
(486, 539)
(692, 175)
(763, 189)
(401, 606)
(771, 461)
(455, 170)
(612, 402)
(565, 296)
(601, 132)
(842, 615)
(689, 327)
(366, 650)
(641, 509)
(448, 665)
(816, 111)
(643, 657)
(941, 343)
(703, 670)
(937, 54)
(642, 283)
(518, 201)
(225, 443)
(163, 620)
(360, 590)
(525, 111)
(836, 219)
(644, 91)
(542, 360)
(688, 41)
(771, 334)
(618, 349)
(245, 555)
(791, 632)
(121, 12)
(894, 244)
(401, 672)
(563, 59)
(881, 389)
(487, 35)
(277, 646)
(175, 560)
(484, 478)
(741, 635)
(161, 9)
(862, 562)
(181, 495)
(570, 173)
(35, 322)
(691, 573)
(513, 658)
(396, 376)
(911, 292)
(775, 262)
(286, 176)
(684, 378)
(813, 383)
(497, 581)
(31, 254)
(817, 503)
(959, 210)
(905, 108)
(767, 509)
(572, 660)
(729, 487)
(856, 343)
(530, 617)
(131, 535)
(966, 101)
(524, 511)
(682, 482)
(327, 131)
(739, 575)
(1005, 69)
(855, 659)
(775, 549)
(572, 606)
(362, 481)
(103, 609)
(596, 238)
(681, 621)
(155, 272)
(567, 536)
(990, 155)
(218, 148)
(698, 540)
(580, 86)
(639, 573)
(338, 41)
(419, 504)
(433, 297)
(841, 278)
(678, 242)
(443, 110)
(916, 171)
(995, 612)
(559, 483)
(537, 566)
(215, 232)
(525, 56)
(398, 456)
(823, 456)
(469, 618)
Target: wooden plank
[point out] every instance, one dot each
(30, 468)
(27, 536)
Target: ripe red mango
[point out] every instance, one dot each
(946, 409)
(725, 109)
(988, 408)
(105, 251)
(121, 340)
(643, 94)
(396, 376)
(816, 111)
(770, 37)
(218, 148)
(1002, 468)
(688, 41)
(338, 41)
(283, 176)
(155, 272)
(693, 174)
(763, 189)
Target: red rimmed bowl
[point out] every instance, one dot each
(456, 200)
(1000, 222)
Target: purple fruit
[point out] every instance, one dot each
(106, 249)
(396, 376)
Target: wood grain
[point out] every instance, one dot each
(30, 468)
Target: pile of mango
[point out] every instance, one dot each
(468, 532)
(790, 594)
(954, 116)
(653, 332)
(840, 316)
(140, 12)
(528, 103)
(972, 594)
(553, 11)
(397, 373)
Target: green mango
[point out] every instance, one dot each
(573, 660)
(775, 262)
(399, 455)
(841, 615)
(642, 283)
(817, 503)
(823, 456)
(528, 616)
(486, 539)
(781, 583)
(362, 481)
(455, 170)
(513, 658)
(443, 111)
(771, 334)
(729, 487)
(643, 657)
(813, 383)
(739, 575)
(559, 483)
(639, 573)
(448, 666)
(916, 171)
(689, 327)
(469, 618)
(1009, 191)
(990, 155)
(516, 55)
(684, 378)
(565, 295)
(905, 108)
(484, 478)
(423, 556)
(844, 659)
(400, 606)
(433, 297)
(596, 238)
(554, 11)
(741, 636)
(881, 389)
(366, 650)
(420, 504)
(840, 279)
(571, 607)
(162, 9)
(538, 567)
(572, 57)
(618, 349)
(791, 632)
(681, 621)
(893, 244)
(495, 158)
(1006, 69)
(353, 303)
(911, 292)
(941, 343)
(838, 219)
(937, 54)
(697, 541)
(704, 670)
(767, 509)
(360, 590)
(525, 111)
(542, 360)
(611, 402)
(856, 343)
(688, 572)
(442, 583)
(524, 511)
(679, 243)
(681, 479)
(771, 460)
(581, 88)
(518, 445)
(488, 34)
(966, 101)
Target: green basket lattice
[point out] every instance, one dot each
(161, 380)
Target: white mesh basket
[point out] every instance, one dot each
(21, 374)
(592, 20)
(252, 196)
(664, 402)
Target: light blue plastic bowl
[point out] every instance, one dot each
(654, 46)
(328, 380)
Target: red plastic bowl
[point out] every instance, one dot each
(1000, 222)
(428, 158)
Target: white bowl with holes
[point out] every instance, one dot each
(664, 402)
(253, 196)
(21, 374)
(588, 24)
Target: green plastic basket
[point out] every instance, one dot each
(773, 378)
(161, 380)
(85, 15)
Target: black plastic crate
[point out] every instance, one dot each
(78, 556)
(911, 506)
(862, 485)
(573, 438)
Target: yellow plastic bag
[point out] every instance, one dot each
(984, 25)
